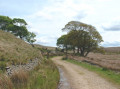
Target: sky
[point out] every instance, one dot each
(46, 18)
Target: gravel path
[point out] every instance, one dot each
(80, 78)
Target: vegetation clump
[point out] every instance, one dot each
(83, 37)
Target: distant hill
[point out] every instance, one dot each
(48, 47)
(112, 49)
(13, 49)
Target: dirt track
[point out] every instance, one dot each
(80, 78)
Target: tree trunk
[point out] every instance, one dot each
(87, 53)
(66, 53)
(78, 50)
(47, 54)
(32, 45)
(73, 50)
(82, 52)
(20, 37)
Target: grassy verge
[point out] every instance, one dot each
(108, 74)
(44, 76)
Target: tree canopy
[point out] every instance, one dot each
(19, 22)
(82, 36)
(5, 22)
(62, 41)
(17, 26)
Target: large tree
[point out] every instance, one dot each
(5, 23)
(19, 28)
(83, 36)
(63, 42)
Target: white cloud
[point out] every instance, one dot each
(103, 0)
(111, 44)
(51, 19)
(47, 18)
(47, 39)
(113, 25)
(63, 9)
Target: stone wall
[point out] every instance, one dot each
(26, 67)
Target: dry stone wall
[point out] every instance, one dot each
(26, 67)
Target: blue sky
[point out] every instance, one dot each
(46, 18)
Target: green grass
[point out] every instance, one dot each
(45, 76)
(108, 74)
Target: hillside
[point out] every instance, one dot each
(112, 49)
(26, 67)
(15, 49)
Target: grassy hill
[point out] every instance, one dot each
(44, 47)
(14, 51)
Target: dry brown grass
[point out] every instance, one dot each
(112, 49)
(107, 61)
(5, 82)
(20, 78)
(15, 50)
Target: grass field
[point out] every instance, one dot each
(109, 61)
(108, 74)
(112, 50)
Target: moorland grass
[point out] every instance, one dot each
(15, 51)
(108, 74)
(45, 76)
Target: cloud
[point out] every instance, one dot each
(111, 44)
(80, 15)
(112, 28)
(103, 0)
(47, 18)
(51, 19)
(47, 39)
(62, 9)
(114, 25)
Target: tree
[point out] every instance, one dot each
(83, 36)
(31, 38)
(21, 31)
(19, 28)
(5, 23)
(19, 22)
(63, 42)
